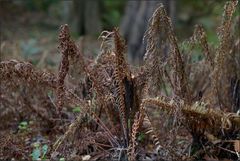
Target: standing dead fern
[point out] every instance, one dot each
(160, 21)
(220, 74)
(64, 39)
(121, 97)
(200, 35)
(133, 144)
(121, 76)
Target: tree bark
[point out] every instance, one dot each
(84, 17)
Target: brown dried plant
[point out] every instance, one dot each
(117, 102)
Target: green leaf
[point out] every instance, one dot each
(44, 150)
(76, 109)
(141, 137)
(62, 159)
(36, 144)
(36, 154)
(129, 123)
(23, 125)
(50, 93)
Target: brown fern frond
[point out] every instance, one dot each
(120, 91)
(201, 37)
(101, 84)
(160, 21)
(79, 123)
(72, 62)
(152, 132)
(71, 130)
(156, 56)
(199, 111)
(17, 70)
(220, 73)
(64, 46)
(111, 137)
(17, 75)
(198, 71)
(78, 67)
(133, 144)
(165, 105)
(107, 45)
(85, 110)
(121, 75)
(156, 48)
(163, 151)
(137, 123)
(178, 66)
(120, 50)
(102, 77)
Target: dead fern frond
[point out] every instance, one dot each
(17, 70)
(120, 50)
(177, 62)
(121, 77)
(201, 37)
(133, 144)
(168, 106)
(152, 132)
(71, 130)
(160, 21)
(221, 74)
(77, 123)
(123, 97)
(64, 39)
(213, 118)
(156, 48)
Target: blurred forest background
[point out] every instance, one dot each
(29, 28)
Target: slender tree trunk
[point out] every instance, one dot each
(84, 17)
(92, 20)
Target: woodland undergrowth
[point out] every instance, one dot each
(172, 107)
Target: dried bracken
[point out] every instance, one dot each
(171, 108)
(201, 37)
(13, 69)
(221, 74)
(133, 144)
(64, 46)
(160, 23)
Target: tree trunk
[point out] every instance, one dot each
(85, 17)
